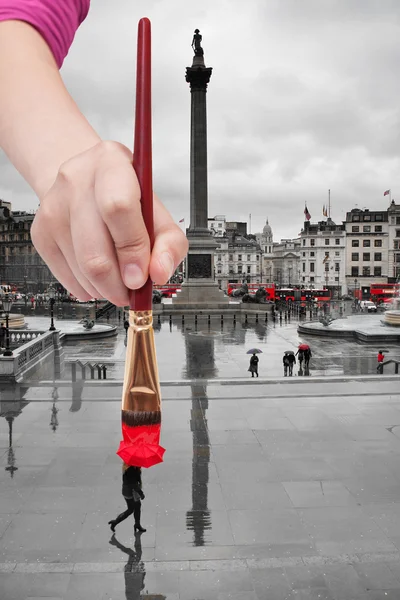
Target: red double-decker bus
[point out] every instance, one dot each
(303, 295)
(383, 292)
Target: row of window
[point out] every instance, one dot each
(14, 226)
(366, 256)
(231, 272)
(367, 217)
(240, 257)
(366, 272)
(366, 243)
(13, 237)
(16, 250)
(312, 267)
(366, 229)
(327, 241)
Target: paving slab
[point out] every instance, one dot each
(279, 495)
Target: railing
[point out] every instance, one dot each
(104, 310)
(101, 369)
(28, 355)
(388, 362)
(20, 337)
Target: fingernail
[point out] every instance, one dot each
(167, 263)
(133, 276)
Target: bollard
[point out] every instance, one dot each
(396, 368)
(195, 319)
(222, 319)
(209, 319)
(170, 319)
(159, 320)
(245, 318)
(256, 317)
(99, 367)
(104, 372)
(234, 319)
(266, 317)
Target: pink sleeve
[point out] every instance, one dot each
(56, 20)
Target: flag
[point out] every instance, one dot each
(325, 259)
(325, 211)
(387, 193)
(307, 214)
(181, 221)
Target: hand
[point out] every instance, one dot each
(90, 231)
(142, 496)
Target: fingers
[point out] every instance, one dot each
(95, 255)
(52, 255)
(170, 246)
(117, 195)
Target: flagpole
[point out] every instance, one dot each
(329, 204)
(249, 222)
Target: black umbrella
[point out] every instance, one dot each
(289, 352)
(254, 351)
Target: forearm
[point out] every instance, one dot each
(40, 125)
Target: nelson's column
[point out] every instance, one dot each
(199, 286)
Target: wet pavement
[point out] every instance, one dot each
(219, 351)
(264, 493)
(268, 490)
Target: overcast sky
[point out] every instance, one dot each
(304, 97)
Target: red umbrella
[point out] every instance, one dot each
(140, 447)
(304, 347)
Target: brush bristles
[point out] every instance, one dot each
(136, 418)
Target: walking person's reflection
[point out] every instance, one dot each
(133, 494)
(134, 568)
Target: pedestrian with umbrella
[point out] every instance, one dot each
(301, 353)
(133, 494)
(289, 360)
(253, 368)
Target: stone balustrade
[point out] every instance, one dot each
(19, 337)
(28, 355)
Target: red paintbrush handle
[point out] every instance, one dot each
(142, 155)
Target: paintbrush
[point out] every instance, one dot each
(141, 397)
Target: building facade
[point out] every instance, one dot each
(394, 243)
(322, 256)
(285, 263)
(217, 225)
(238, 257)
(20, 264)
(367, 245)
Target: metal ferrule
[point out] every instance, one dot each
(141, 389)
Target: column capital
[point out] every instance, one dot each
(198, 77)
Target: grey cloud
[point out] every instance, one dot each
(303, 97)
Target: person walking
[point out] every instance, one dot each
(286, 364)
(126, 326)
(381, 358)
(307, 356)
(133, 494)
(292, 361)
(253, 368)
(300, 356)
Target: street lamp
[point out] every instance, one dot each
(51, 292)
(7, 304)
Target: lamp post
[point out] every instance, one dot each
(7, 303)
(51, 292)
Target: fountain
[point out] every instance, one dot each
(392, 316)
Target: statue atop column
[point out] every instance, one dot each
(196, 43)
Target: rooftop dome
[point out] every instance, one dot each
(267, 229)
